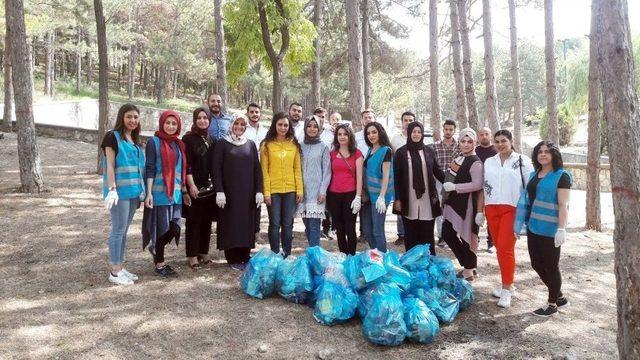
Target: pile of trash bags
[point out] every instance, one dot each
(398, 298)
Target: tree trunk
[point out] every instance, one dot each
(145, 82)
(356, 75)
(593, 220)
(78, 60)
(89, 60)
(221, 60)
(491, 96)
(8, 83)
(131, 78)
(461, 105)
(161, 84)
(174, 86)
(621, 109)
(550, 61)
(28, 155)
(276, 58)
(433, 69)
(315, 66)
(469, 88)
(103, 78)
(366, 54)
(515, 78)
(49, 67)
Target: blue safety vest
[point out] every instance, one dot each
(374, 176)
(158, 190)
(129, 168)
(541, 217)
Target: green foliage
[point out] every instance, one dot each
(567, 123)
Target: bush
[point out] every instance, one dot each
(566, 123)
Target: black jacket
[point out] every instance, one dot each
(401, 179)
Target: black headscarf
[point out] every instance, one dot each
(416, 162)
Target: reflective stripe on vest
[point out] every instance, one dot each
(158, 190)
(543, 218)
(129, 166)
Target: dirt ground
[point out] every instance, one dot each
(56, 302)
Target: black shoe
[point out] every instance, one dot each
(442, 244)
(400, 241)
(546, 311)
(562, 302)
(165, 271)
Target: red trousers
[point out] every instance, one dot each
(500, 220)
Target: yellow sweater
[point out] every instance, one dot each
(281, 168)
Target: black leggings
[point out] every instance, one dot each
(344, 220)
(418, 232)
(162, 241)
(545, 257)
(237, 255)
(467, 258)
(198, 227)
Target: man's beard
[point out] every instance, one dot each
(485, 143)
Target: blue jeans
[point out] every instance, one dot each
(312, 230)
(121, 216)
(400, 226)
(281, 212)
(373, 226)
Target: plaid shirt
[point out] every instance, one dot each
(445, 154)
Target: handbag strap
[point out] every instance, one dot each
(348, 165)
(521, 174)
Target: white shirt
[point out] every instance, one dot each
(502, 183)
(298, 131)
(361, 144)
(397, 141)
(327, 136)
(256, 135)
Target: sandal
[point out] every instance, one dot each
(203, 262)
(195, 266)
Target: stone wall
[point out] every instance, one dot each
(579, 173)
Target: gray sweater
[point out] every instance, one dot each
(316, 175)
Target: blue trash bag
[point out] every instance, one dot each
(417, 258)
(422, 323)
(384, 323)
(334, 303)
(444, 305)
(395, 272)
(443, 273)
(365, 268)
(320, 259)
(365, 300)
(420, 280)
(293, 279)
(259, 278)
(463, 291)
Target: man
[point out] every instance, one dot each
(329, 129)
(255, 131)
(446, 150)
(397, 141)
(295, 116)
(366, 117)
(485, 150)
(220, 121)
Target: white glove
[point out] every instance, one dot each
(259, 199)
(480, 219)
(559, 238)
(380, 205)
(449, 186)
(356, 204)
(221, 200)
(111, 199)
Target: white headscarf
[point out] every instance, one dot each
(233, 138)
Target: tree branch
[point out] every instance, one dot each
(266, 35)
(284, 29)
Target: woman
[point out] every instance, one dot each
(316, 174)
(282, 178)
(122, 185)
(543, 207)
(199, 216)
(505, 174)
(459, 229)
(379, 185)
(415, 168)
(345, 188)
(166, 169)
(238, 183)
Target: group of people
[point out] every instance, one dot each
(224, 168)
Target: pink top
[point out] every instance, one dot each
(343, 172)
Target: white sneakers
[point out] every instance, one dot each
(505, 296)
(123, 277)
(497, 292)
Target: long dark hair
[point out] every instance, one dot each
(352, 139)
(506, 133)
(383, 138)
(272, 134)
(556, 156)
(119, 126)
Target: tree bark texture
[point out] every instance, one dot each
(8, 83)
(461, 105)
(515, 78)
(491, 96)
(550, 62)
(276, 58)
(131, 78)
(103, 78)
(616, 70)
(28, 155)
(356, 75)
(315, 66)
(593, 220)
(78, 59)
(433, 69)
(49, 67)
(366, 54)
(220, 53)
(469, 88)
(89, 60)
